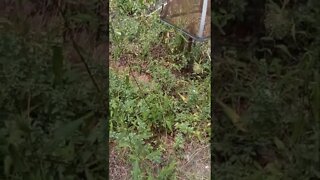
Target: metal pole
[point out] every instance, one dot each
(203, 18)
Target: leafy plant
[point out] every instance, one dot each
(52, 116)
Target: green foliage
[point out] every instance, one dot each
(167, 104)
(268, 87)
(41, 123)
(277, 20)
(47, 108)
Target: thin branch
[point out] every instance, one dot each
(82, 58)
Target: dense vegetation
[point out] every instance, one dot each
(52, 119)
(53, 92)
(160, 112)
(266, 85)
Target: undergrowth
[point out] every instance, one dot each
(52, 118)
(266, 80)
(151, 98)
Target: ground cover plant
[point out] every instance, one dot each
(53, 123)
(266, 81)
(160, 112)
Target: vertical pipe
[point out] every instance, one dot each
(191, 60)
(203, 18)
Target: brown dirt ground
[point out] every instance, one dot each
(122, 67)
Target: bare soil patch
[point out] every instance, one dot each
(119, 168)
(196, 162)
(123, 65)
(193, 164)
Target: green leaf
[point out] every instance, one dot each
(169, 125)
(197, 68)
(136, 171)
(82, 18)
(235, 118)
(154, 156)
(127, 80)
(167, 172)
(280, 145)
(284, 49)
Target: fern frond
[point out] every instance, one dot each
(277, 21)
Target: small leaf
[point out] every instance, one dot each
(169, 125)
(82, 18)
(127, 80)
(154, 156)
(284, 49)
(168, 171)
(280, 145)
(136, 171)
(197, 68)
(235, 118)
(183, 98)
